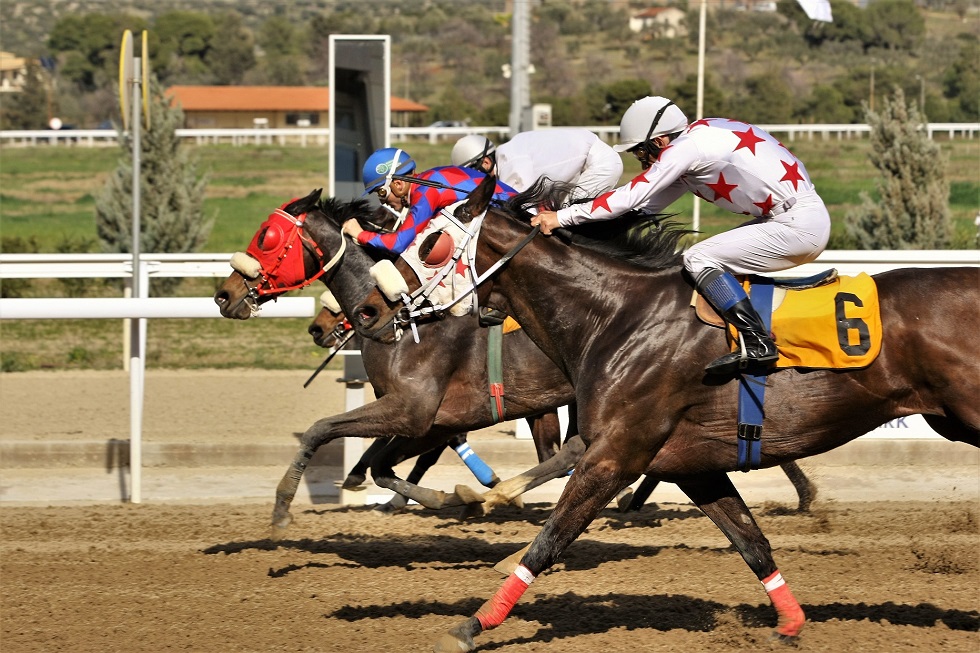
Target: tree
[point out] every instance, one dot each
(232, 52)
(961, 83)
(183, 42)
(766, 98)
(88, 45)
(895, 24)
(172, 207)
(608, 103)
(913, 209)
(284, 62)
(27, 109)
(685, 95)
(824, 104)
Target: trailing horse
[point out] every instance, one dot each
(426, 393)
(618, 321)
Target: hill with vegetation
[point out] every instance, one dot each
(764, 67)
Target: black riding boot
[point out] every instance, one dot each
(757, 351)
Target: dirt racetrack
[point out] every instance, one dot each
(871, 576)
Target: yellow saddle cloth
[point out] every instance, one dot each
(837, 325)
(832, 326)
(510, 324)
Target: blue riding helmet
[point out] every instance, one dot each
(380, 166)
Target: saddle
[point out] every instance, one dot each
(824, 321)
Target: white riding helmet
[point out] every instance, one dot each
(648, 117)
(469, 151)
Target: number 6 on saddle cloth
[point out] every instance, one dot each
(819, 322)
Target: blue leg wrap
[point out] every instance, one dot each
(479, 468)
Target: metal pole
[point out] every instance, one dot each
(137, 326)
(355, 377)
(699, 113)
(520, 56)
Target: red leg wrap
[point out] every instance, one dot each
(492, 613)
(790, 614)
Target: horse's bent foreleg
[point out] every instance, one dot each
(720, 501)
(368, 421)
(358, 473)
(432, 499)
(590, 488)
(423, 463)
(805, 489)
(555, 467)
(431, 446)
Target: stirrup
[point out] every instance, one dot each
(740, 361)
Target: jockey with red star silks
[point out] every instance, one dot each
(413, 203)
(738, 167)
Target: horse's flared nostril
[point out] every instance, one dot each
(366, 315)
(317, 332)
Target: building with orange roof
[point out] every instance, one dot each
(13, 72)
(246, 107)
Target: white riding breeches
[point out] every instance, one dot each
(766, 244)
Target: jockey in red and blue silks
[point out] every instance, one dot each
(414, 204)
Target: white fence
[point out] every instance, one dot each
(28, 266)
(319, 136)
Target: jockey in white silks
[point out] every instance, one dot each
(738, 167)
(570, 155)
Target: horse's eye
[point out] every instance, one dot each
(271, 238)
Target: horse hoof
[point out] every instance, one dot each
(353, 482)
(788, 640)
(505, 567)
(456, 640)
(282, 522)
(449, 644)
(471, 510)
(386, 509)
(517, 502)
(624, 500)
(468, 495)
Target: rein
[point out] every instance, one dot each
(344, 333)
(414, 309)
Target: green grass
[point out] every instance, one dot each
(47, 195)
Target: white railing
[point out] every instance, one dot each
(119, 266)
(319, 136)
(27, 266)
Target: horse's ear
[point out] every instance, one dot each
(304, 204)
(479, 199)
(310, 201)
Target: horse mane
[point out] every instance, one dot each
(644, 239)
(338, 212)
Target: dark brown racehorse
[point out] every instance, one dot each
(331, 330)
(619, 323)
(427, 392)
(451, 361)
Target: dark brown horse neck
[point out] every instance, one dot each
(573, 301)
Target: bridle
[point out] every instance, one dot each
(276, 254)
(416, 305)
